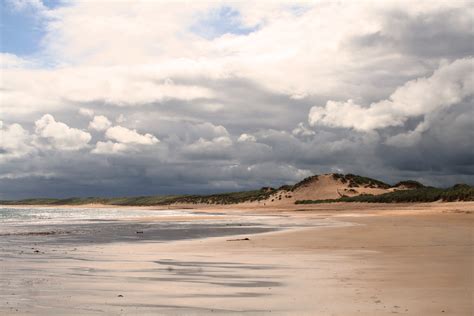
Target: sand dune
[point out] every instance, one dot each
(321, 187)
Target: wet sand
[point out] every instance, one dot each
(332, 259)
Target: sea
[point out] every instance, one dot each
(100, 225)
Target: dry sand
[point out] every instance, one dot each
(410, 259)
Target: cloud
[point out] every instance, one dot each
(127, 136)
(86, 112)
(33, 90)
(204, 130)
(246, 138)
(27, 4)
(447, 86)
(158, 57)
(415, 33)
(222, 141)
(216, 148)
(59, 135)
(158, 41)
(15, 142)
(410, 138)
(120, 119)
(109, 147)
(302, 130)
(100, 123)
(11, 61)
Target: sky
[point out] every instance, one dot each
(120, 98)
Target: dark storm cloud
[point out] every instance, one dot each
(446, 147)
(444, 34)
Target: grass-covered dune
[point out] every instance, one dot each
(459, 192)
(224, 198)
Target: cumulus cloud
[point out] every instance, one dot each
(302, 130)
(86, 112)
(222, 141)
(128, 136)
(192, 131)
(59, 135)
(410, 138)
(216, 148)
(100, 123)
(246, 138)
(448, 85)
(15, 141)
(109, 147)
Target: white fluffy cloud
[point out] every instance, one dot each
(100, 123)
(246, 138)
(109, 147)
(59, 135)
(447, 86)
(15, 142)
(128, 136)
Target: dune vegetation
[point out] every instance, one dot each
(223, 198)
(459, 192)
(404, 191)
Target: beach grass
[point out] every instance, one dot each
(459, 192)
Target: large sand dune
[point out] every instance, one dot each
(322, 187)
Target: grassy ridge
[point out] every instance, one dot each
(357, 181)
(224, 198)
(459, 192)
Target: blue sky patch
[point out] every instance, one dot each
(21, 30)
(220, 21)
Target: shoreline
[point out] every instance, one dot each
(364, 206)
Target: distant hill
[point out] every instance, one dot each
(324, 188)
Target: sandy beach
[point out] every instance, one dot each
(325, 259)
